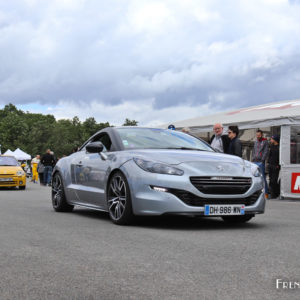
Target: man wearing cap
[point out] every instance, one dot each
(274, 166)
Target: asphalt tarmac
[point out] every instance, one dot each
(82, 255)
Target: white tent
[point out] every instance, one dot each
(266, 115)
(21, 155)
(8, 152)
(285, 115)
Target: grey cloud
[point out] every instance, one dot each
(52, 53)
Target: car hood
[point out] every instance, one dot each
(202, 163)
(176, 157)
(6, 170)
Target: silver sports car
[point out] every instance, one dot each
(129, 171)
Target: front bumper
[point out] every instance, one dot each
(147, 201)
(12, 181)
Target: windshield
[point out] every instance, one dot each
(148, 138)
(8, 161)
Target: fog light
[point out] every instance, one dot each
(159, 189)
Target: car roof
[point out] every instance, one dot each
(140, 127)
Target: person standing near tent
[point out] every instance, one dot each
(41, 169)
(274, 166)
(259, 156)
(219, 141)
(235, 146)
(34, 164)
(186, 130)
(55, 160)
(48, 161)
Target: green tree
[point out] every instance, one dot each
(64, 137)
(13, 131)
(90, 127)
(34, 133)
(129, 122)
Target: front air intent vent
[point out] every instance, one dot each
(222, 185)
(193, 200)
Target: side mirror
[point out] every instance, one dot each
(94, 147)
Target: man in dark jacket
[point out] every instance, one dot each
(219, 141)
(235, 146)
(48, 161)
(274, 166)
(260, 154)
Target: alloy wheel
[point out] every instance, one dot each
(57, 191)
(117, 195)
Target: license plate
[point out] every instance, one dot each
(6, 179)
(224, 210)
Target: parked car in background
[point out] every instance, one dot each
(130, 171)
(11, 173)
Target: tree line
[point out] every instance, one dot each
(34, 133)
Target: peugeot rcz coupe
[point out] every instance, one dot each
(134, 171)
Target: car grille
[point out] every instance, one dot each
(222, 185)
(7, 183)
(5, 177)
(193, 200)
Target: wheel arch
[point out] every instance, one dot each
(61, 203)
(128, 213)
(110, 176)
(56, 171)
(114, 171)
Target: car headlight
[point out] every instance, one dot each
(20, 173)
(255, 171)
(156, 167)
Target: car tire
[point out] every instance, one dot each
(23, 187)
(119, 200)
(237, 219)
(59, 200)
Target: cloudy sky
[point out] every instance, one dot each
(152, 61)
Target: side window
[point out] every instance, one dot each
(105, 140)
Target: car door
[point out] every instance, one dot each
(89, 174)
(78, 178)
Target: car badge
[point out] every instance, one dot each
(221, 178)
(220, 168)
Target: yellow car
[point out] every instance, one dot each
(11, 173)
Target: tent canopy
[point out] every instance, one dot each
(21, 155)
(266, 115)
(8, 152)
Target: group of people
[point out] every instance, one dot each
(262, 151)
(42, 168)
(229, 143)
